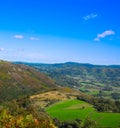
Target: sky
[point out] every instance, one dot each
(57, 31)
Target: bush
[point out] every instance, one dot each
(29, 121)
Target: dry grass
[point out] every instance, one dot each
(50, 97)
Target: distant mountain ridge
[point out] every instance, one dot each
(67, 64)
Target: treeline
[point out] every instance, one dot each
(77, 123)
(101, 104)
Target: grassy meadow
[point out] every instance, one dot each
(72, 109)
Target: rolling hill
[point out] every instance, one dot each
(97, 80)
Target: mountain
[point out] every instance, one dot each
(98, 80)
(19, 80)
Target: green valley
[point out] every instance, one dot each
(96, 80)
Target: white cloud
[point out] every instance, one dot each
(104, 34)
(90, 16)
(34, 38)
(2, 49)
(18, 36)
(96, 39)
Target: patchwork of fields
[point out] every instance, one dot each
(73, 109)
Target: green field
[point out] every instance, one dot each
(72, 109)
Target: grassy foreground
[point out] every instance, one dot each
(72, 109)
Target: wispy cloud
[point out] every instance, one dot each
(18, 36)
(2, 49)
(34, 38)
(90, 16)
(104, 34)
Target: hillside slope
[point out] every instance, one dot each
(21, 80)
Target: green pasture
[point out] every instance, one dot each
(72, 109)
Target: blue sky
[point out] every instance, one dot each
(53, 31)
